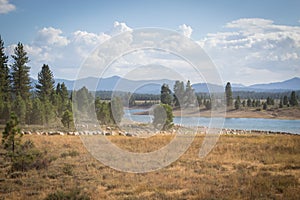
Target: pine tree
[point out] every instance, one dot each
(244, 103)
(228, 93)
(60, 99)
(45, 86)
(4, 75)
(5, 86)
(189, 94)
(165, 95)
(207, 104)
(249, 102)
(178, 93)
(163, 117)
(67, 119)
(293, 99)
(20, 73)
(265, 106)
(285, 100)
(11, 137)
(257, 103)
(281, 104)
(237, 103)
(253, 103)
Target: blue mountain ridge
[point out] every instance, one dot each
(116, 83)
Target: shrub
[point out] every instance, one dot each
(74, 194)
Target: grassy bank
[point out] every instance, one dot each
(239, 167)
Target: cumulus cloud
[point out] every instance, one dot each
(64, 52)
(186, 30)
(119, 27)
(51, 36)
(6, 7)
(255, 44)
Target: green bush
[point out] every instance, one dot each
(28, 157)
(74, 194)
(68, 169)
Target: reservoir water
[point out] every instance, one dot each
(274, 125)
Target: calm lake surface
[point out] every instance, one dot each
(274, 125)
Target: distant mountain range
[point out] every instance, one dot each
(116, 83)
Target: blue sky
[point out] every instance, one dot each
(213, 24)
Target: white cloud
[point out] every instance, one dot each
(256, 44)
(247, 51)
(86, 38)
(6, 7)
(119, 27)
(51, 36)
(186, 30)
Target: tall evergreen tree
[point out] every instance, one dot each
(285, 100)
(228, 93)
(293, 99)
(189, 94)
(5, 86)
(248, 102)
(20, 73)
(178, 93)
(62, 98)
(45, 86)
(165, 95)
(4, 75)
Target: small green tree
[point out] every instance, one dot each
(207, 104)
(165, 95)
(280, 104)
(244, 103)
(228, 94)
(189, 95)
(163, 117)
(179, 91)
(257, 103)
(67, 119)
(293, 99)
(265, 106)
(237, 103)
(102, 111)
(11, 137)
(249, 102)
(285, 100)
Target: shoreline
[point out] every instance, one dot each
(280, 114)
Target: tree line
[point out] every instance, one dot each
(284, 101)
(45, 103)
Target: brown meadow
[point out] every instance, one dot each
(256, 166)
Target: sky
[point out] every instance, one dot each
(249, 42)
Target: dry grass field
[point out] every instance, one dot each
(239, 167)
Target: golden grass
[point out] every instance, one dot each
(239, 167)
